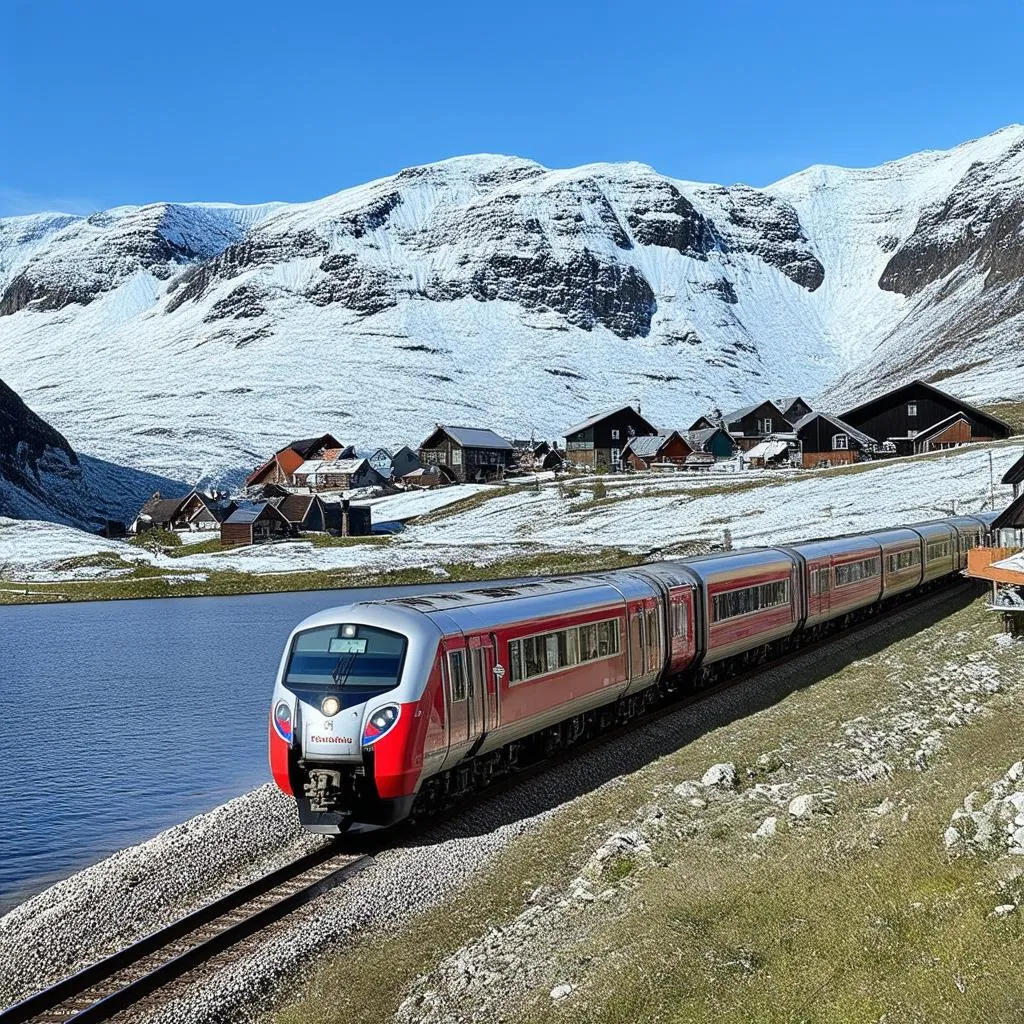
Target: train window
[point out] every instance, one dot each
(678, 610)
(568, 648)
(854, 572)
(370, 661)
(820, 580)
(588, 643)
(457, 674)
(939, 549)
(903, 560)
(515, 662)
(750, 599)
(548, 652)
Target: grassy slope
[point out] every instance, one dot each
(146, 581)
(857, 917)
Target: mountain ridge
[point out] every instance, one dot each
(191, 338)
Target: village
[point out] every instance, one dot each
(323, 485)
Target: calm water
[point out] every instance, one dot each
(122, 718)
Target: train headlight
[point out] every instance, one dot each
(330, 706)
(348, 630)
(283, 720)
(382, 720)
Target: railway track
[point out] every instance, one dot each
(119, 981)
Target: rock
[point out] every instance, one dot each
(561, 991)
(1003, 909)
(803, 807)
(767, 828)
(688, 789)
(720, 776)
(950, 838)
(699, 802)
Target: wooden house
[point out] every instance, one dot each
(467, 453)
(305, 513)
(824, 440)
(157, 513)
(200, 511)
(348, 520)
(597, 442)
(656, 449)
(257, 522)
(702, 423)
(918, 417)
(336, 475)
(793, 408)
(714, 441)
(1015, 476)
(754, 423)
(394, 466)
(281, 466)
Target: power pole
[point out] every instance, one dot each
(991, 483)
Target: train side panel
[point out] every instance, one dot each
(902, 560)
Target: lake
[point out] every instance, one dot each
(122, 718)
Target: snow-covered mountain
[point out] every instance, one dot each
(41, 476)
(191, 339)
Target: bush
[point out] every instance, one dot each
(156, 540)
(600, 489)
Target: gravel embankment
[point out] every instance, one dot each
(136, 890)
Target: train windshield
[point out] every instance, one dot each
(346, 657)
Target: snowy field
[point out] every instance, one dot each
(640, 514)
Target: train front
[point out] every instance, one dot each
(347, 721)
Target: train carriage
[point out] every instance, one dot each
(902, 560)
(939, 549)
(841, 576)
(970, 533)
(750, 599)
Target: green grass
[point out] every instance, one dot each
(1011, 412)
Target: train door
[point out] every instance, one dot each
(480, 689)
(637, 641)
(460, 712)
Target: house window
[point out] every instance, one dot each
(911, 408)
(764, 426)
(840, 442)
(616, 456)
(911, 433)
(615, 435)
(456, 456)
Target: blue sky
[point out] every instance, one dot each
(108, 103)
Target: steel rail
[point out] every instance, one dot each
(104, 989)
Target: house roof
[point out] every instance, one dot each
(698, 439)
(306, 446)
(161, 510)
(938, 428)
(294, 507)
(219, 509)
(250, 511)
(648, 447)
(476, 437)
(738, 414)
(1011, 516)
(598, 417)
(858, 435)
(918, 383)
(324, 466)
(701, 419)
(1015, 474)
(784, 404)
(767, 450)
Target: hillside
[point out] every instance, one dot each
(190, 339)
(42, 477)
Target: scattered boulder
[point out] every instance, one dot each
(561, 991)
(767, 828)
(720, 776)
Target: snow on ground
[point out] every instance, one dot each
(399, 507)
(641, 514)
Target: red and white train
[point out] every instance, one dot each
(383, 705)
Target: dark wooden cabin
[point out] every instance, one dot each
(662, 449)
(702, 423)
(467, 454)
(824, 440)
(597, 442)
(919, 417)
(199, 511)
(753, 423)
(1015, 476)
(793, 408)
(254, 523)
